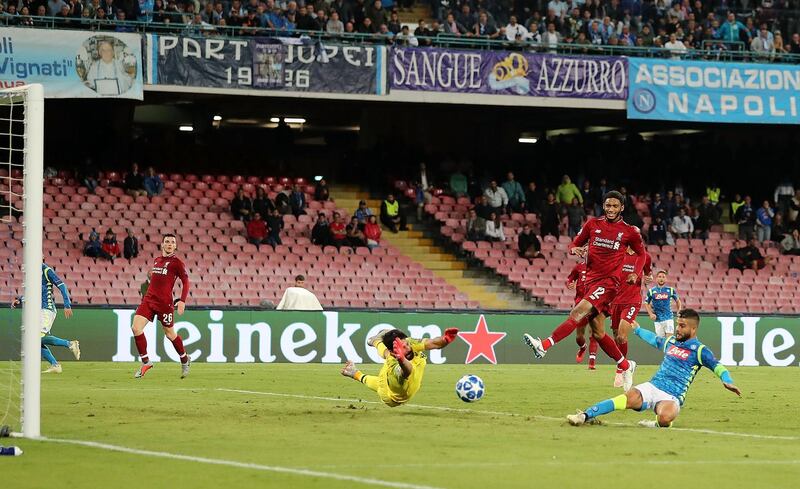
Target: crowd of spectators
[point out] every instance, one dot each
(764, 27)
(361, 230)
(108, 248)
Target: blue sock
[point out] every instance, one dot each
(604, 407)
(54, 341)
(47, 355)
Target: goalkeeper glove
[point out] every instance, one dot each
(450, 335)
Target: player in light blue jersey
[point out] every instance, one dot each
(659, 305)
(50, 280)
(666, 391)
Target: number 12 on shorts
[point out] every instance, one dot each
(597, 293)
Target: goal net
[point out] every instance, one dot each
(21, 188)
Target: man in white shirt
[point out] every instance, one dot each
(682, 226)
(515, 31)
(559, 7)
(298, 298)
(497, 197)
(675, 47)
(107, 75)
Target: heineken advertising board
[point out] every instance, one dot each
(247, 336)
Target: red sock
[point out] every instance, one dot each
(563, 330)
(610, 347)
(592, 346)
(141, 346)
(581, 341)
(623, 348)
(178, 344)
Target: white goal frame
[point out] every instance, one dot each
(33, 190)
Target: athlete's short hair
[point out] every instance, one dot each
(168, 235)
(613, 194)
(689, 314)
(300, 278)
(662, 271)
(388, 338)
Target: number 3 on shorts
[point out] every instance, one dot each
(631, 312)
(166, 318)
(597, 293)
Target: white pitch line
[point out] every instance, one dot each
(501, 413)
(240, 465)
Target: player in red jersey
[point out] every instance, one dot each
(628, 302)
(157, 303)
(576, 280)
(606, 239)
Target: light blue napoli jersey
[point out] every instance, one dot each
(682, 361)
(659, 298)
(50, 280)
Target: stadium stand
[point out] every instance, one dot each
(700, 267)
(224, 268)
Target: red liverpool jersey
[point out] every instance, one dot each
(166, 270)
(632, 293)
(578, 275)
(608, 243)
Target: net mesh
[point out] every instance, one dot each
(12, 157)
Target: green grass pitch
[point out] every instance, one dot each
(302, 426)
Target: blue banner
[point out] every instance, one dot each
(697, 91)
(72, 64)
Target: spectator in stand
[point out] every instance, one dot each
(752, 256)
(282, 202)
(485, 28)
(704, 215)
(297, 201)
(110, 246)
(670, 206)
(406, 38)
(355, 236)
(794, 210)
(338, 231)
(334, 25)
(575, 217)
(321, 191)
(458, 184)
(496, 197)
(256, 230)
(675, 47)
(321, 232)
(275, 226)
(152, 182)
(372, 231)
(241, 206)
(528, 244)
(682, 226)
(783, 195)
(94, 247)
(482, 207)
(733, 31)
(714, 194)
(551, 217)
(494, 228)
(362, 214)
(657, 234)
(790, 245)
(746, 218)
(87, 175)
(568, 191)
(658, 207)
(262, 203)
(134, 182)
(736, 203)
(763, 44)
(516, 196)
(391, 215)
(130, 246)
(587, 192)
(476, 226)
(534, 198)
(736, 258)
(600, 195)
(779, 230)
(764, 216)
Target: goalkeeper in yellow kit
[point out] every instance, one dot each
(404, 364)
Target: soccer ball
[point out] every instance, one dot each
(469, 388)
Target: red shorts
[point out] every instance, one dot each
(164, 314)
(601, 293)
(628, 312)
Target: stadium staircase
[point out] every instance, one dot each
(418, 11)
(418, 244)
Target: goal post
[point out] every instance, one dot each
(22, 146)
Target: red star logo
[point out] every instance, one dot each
(481, 342)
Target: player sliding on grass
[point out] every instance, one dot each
(48, 317)
(666, 391)
(606, 239)
(157, 303)
(404, 364)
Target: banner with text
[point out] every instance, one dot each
(697, 91)
(246, 336)
(265, 64)
(508, 73)
(72, 64)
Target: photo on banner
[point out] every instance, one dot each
(701, 91)
(73, 64)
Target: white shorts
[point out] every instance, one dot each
(48, 318)
(652, 395)
(665, 328)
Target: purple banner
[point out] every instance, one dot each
(509, 73)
